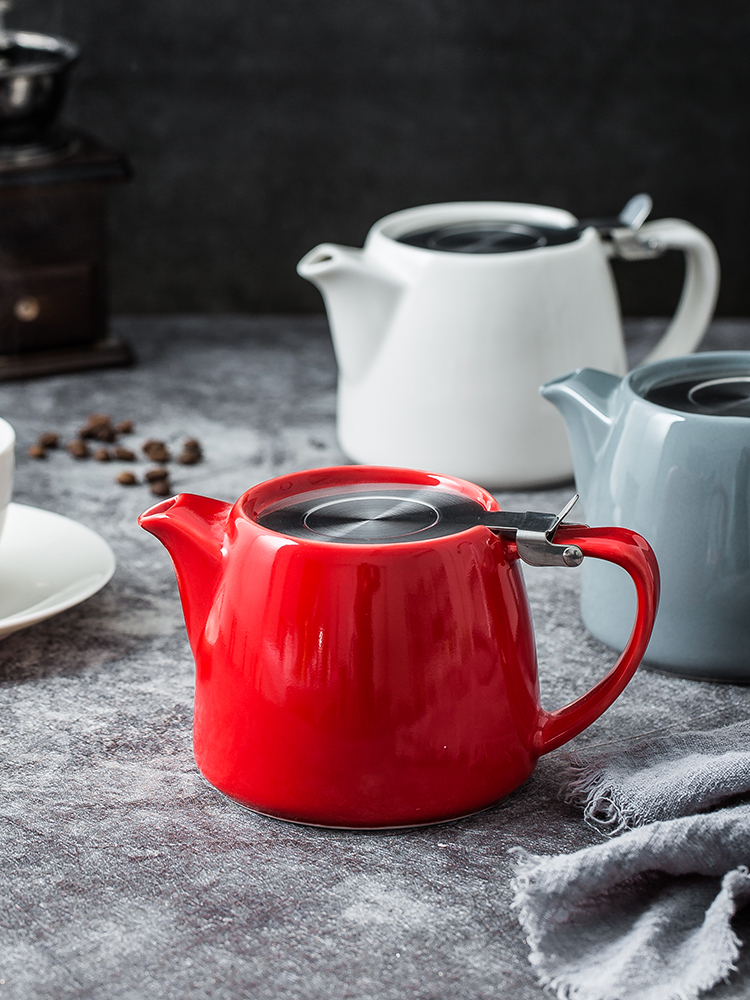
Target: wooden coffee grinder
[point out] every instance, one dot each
(53, 190)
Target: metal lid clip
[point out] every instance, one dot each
(533, 533)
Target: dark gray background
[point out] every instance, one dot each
(259, 129)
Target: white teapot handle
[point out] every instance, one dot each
(699, 291)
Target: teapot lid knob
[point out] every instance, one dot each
(636, 211)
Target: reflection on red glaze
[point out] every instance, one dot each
(371, 685)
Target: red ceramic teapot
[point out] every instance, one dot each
(364, 647)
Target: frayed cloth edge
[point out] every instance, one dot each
(525, 864)
(531, 916)
(531, 919)
(604, 805)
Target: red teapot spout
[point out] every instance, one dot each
(192, 529)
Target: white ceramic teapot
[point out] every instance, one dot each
(452, 315)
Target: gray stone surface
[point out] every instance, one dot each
(123, 875)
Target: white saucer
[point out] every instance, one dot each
(47, 563)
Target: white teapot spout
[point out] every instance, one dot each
(360, 300)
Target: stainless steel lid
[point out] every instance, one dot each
(482, 236)
(374, 514)
(719, 396)
(381, 514)
(488, 237)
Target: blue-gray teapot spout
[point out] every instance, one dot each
(585, 398)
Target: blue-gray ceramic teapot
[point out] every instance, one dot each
(665, 451)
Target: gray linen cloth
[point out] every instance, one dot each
(648, 913)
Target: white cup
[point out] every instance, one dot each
(7, 462)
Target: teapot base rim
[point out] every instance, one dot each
(355, 827)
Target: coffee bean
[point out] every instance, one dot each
(157, 451)
(102, 455)
(124, 454)
(49, 439)
(104, 433)
(191, 452)
(155, 475)
(36, 451)
(161, 488)
(97, 426)
(126, 479)
(125, 427)
(78, 448)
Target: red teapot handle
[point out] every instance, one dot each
(635, 555)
